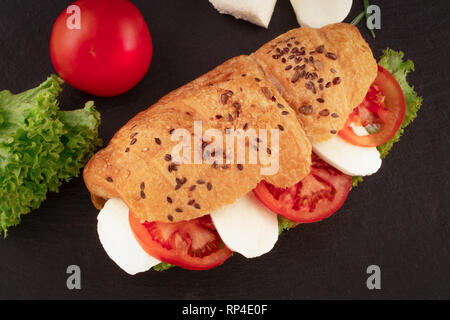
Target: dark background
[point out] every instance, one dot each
(397, 219)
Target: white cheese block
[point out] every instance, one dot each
(118, 240)
(258, 12)
(348, 158)
(360, 131)
(319, 13)
(247, 226)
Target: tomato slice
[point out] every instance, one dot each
(314, 198)
(382, 110)
(193, 244)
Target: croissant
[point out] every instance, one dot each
(299, 87)
(137, 165)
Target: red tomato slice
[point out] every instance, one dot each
(383, 108)
(193, 244)
(314, 198)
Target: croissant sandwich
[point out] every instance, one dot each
(175, 183)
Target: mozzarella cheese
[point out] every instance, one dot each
(319, 13)
(348, 158)
(247, 226)
(118, 240)
(359, 130)
(258, 12)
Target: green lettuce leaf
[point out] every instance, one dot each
(395, 63)
(356, 180)
(284, 224)
(40, 147)
(163, 266)
(80, 140)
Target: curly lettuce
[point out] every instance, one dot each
(163, 266)
(284, 224)
(40, 147)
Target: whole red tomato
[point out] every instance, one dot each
(102, 47)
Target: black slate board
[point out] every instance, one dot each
(397, 219)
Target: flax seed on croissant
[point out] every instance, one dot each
(137, 164)
(322, 73)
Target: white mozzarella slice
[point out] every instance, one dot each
(359, 130)
(319, 13)
(348, 158)
(247, 226)
(117, 239)
(258, 12)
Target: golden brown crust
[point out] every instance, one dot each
(135, 168)
(329, 73)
